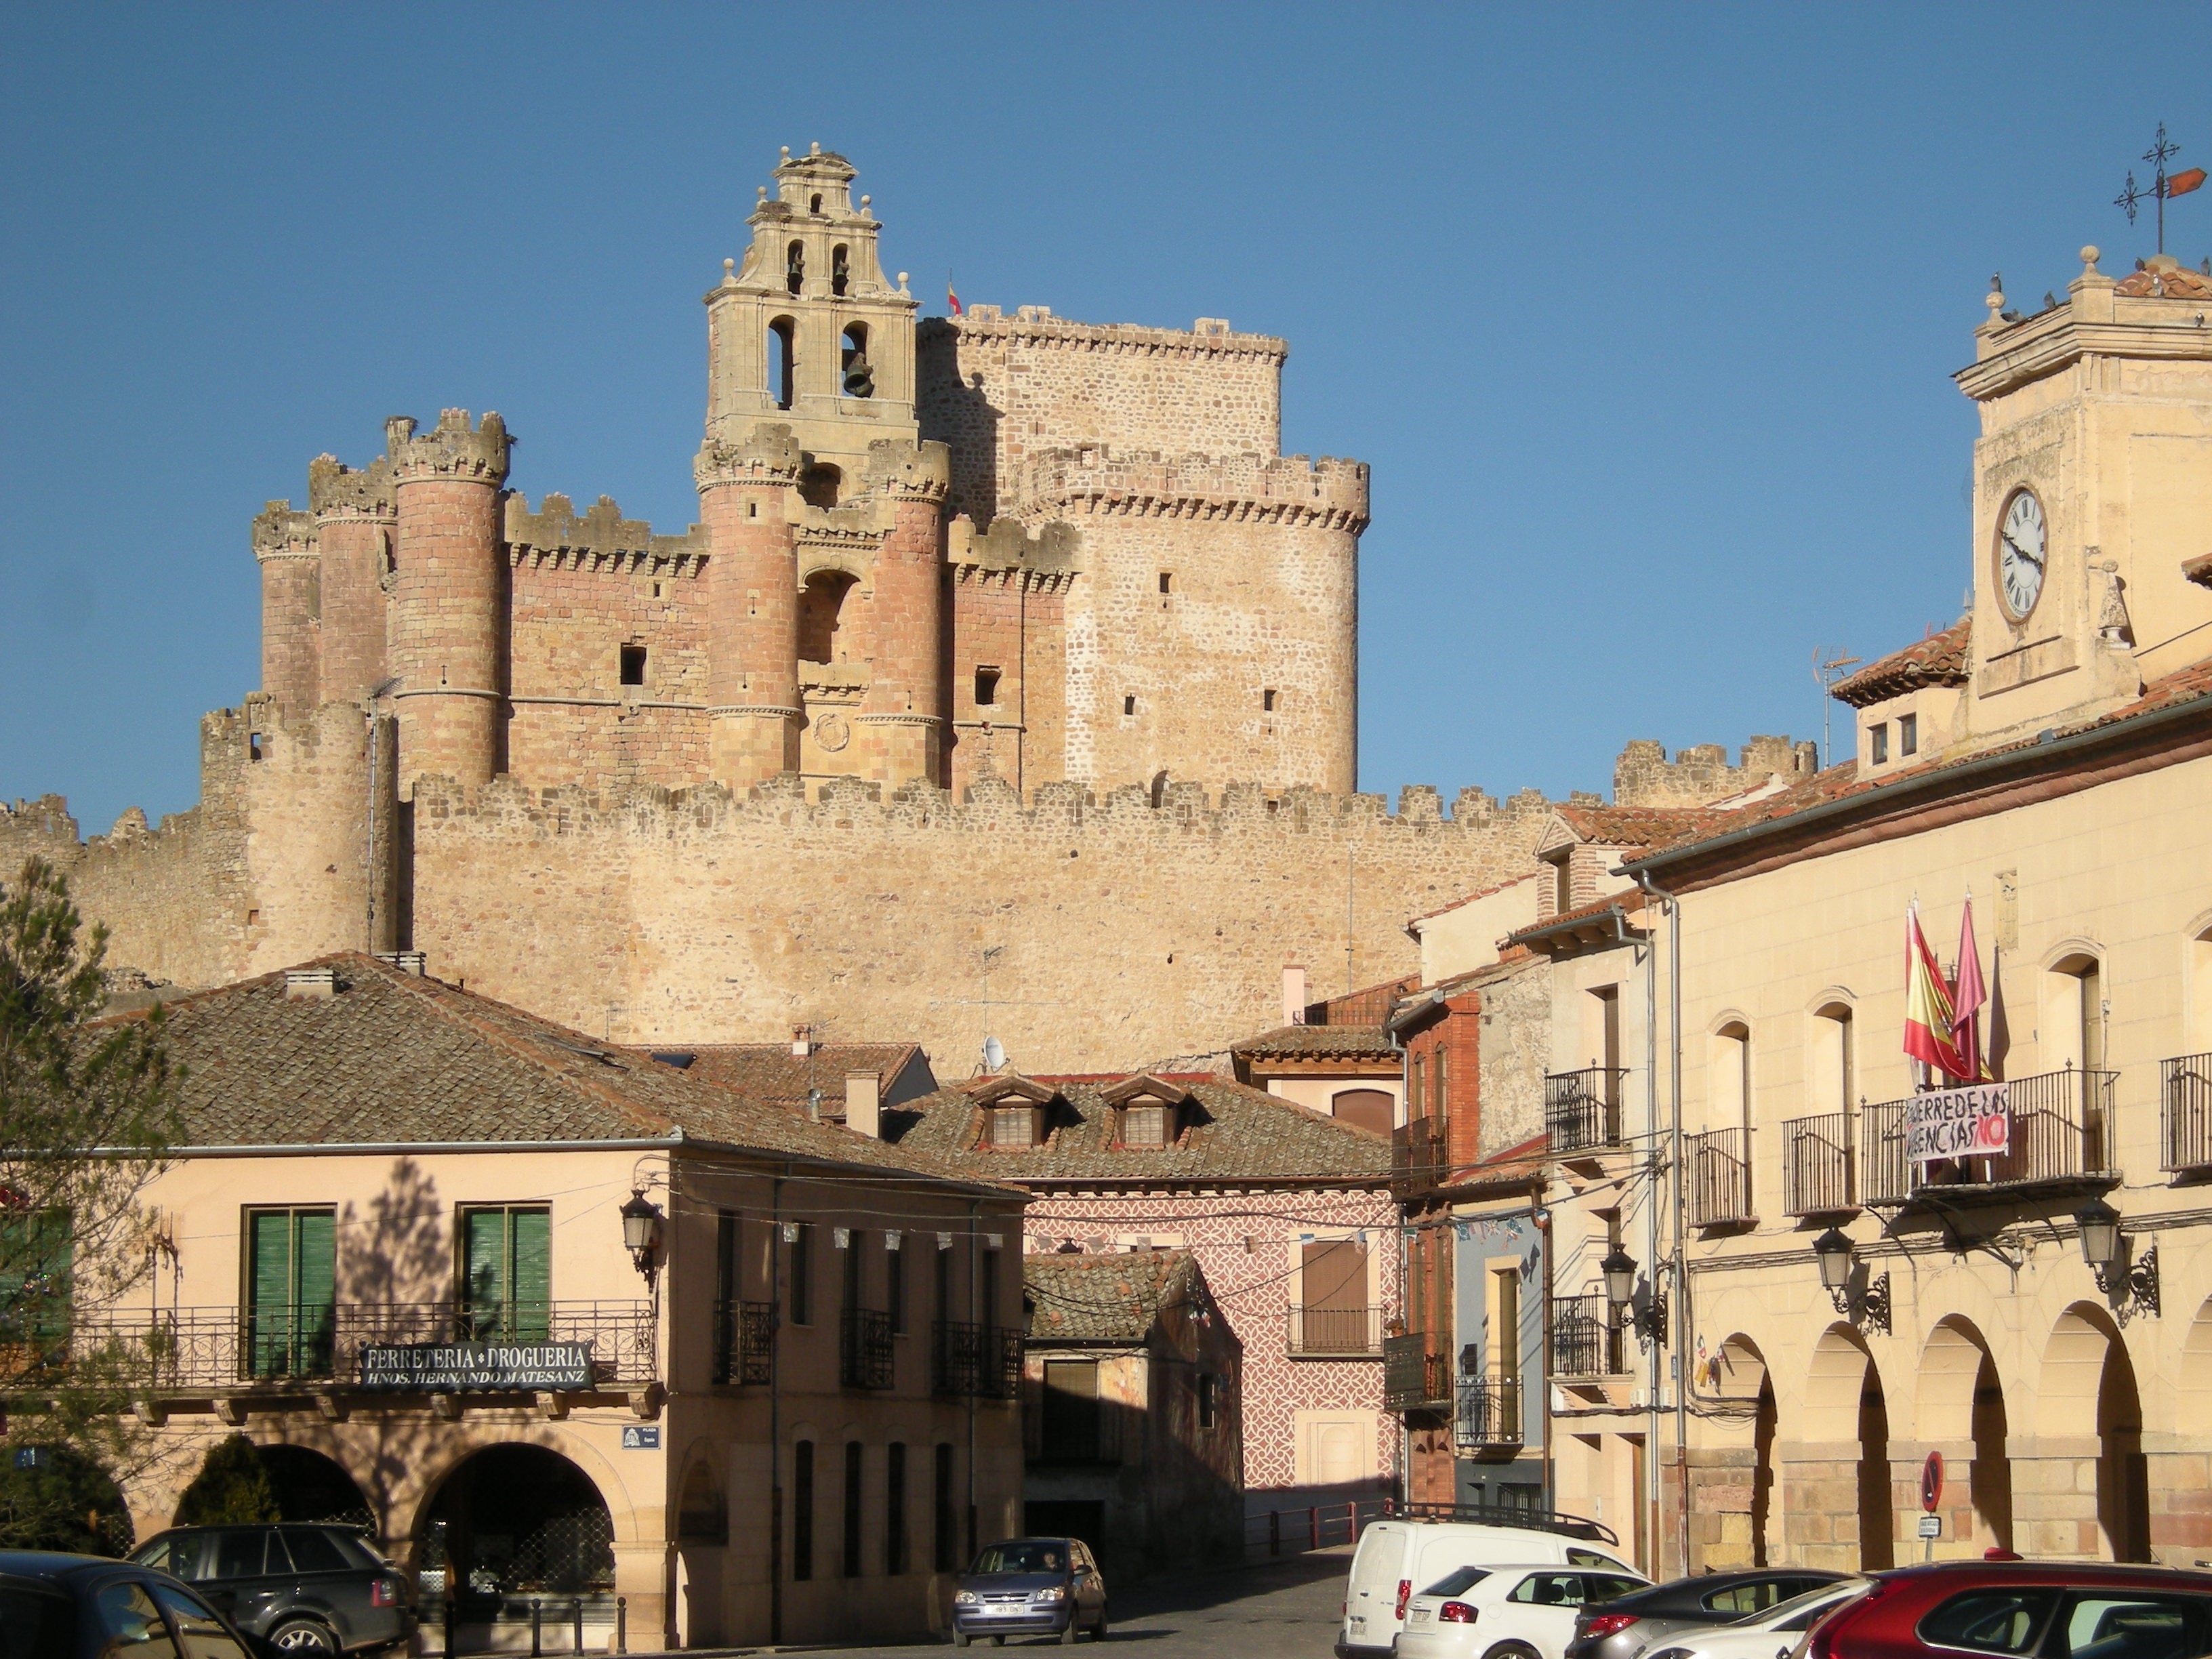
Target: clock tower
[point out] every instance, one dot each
(2092, 498)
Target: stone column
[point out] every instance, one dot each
(356, 522)
(284, 546)
(2180, 1474)
(2054, 1496)
(746, 502)
(448, 616)
(1820, 1483)
(902, 722)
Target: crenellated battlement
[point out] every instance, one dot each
(915, 472)
(1295, 489)
(1035, 326)
(1054, 549)
(598, 538)
(451, 449)
(281, 530)
(337, 490)
(1644, 777)
(769, 453)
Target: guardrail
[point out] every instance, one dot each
(744, 1341)
(981, 1360)
(1486, 1411)
(1414, 1379)
(1582, 1108)
(2062, 1130)
(1334, 1332)
(864, 1350)
(1816, 1164)
(1313, 1527)
(2186, 1112)
(1586, 1338)
(1720, 1177)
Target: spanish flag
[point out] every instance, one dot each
(1930, 1021)
(951, 300)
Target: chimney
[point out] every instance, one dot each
(802, 1041)
(311, 984)
(864, 1113)
(1294, 994)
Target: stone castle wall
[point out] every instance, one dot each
(1644, 777)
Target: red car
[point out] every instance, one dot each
(2022, 1610)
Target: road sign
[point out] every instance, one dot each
(1931, 1486)
(637, 1437)
(1931, 1525)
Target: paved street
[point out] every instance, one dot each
(1284, 1610)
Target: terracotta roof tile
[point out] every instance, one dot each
(1106, 1298)
(2165, 278)
(1625, 826)
(1342, 1042)
(771, 1071)
(1939, 660)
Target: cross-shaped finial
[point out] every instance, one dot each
(2162, 151)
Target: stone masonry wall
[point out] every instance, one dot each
(1644, 777)
(1085, 937)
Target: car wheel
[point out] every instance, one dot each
(308, 1637)
(1512, 1650)
(1098, 1629)
(960, 1638)
(1073, 1629)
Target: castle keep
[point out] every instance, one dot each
(1007, 683)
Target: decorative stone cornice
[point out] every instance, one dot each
(600, 536)
(1292, 490)
(1036, 326)
(281, 530)
(336, 491)
(451, 451)
(769, 455)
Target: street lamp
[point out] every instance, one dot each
(1832, 1250)
(640, 1223)
(1620, 1270)
(2105, 1249)
(1648, 1321)
(2100, 1235)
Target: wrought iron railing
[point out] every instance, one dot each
(1414, 1379)
(1816, 1164)
(179, 1348)
(1334, 1332)
(2062, 1130)
(2186, 1112)
(1720, 1177)
(1417, 1157)
(1586, 1338)
(1486, 1411)
(981, 1360)
(864, 1349)
(744, 1340)
(1582, 1109)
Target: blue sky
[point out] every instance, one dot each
(1643, 316)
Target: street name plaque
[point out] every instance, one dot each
(448, 1367)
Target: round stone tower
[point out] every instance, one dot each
(748, 503)
(356, 520)
(901, 725)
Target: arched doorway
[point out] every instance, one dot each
(1962, 1400)
(310, 1486)
(510, 1521)
(2088, 1377)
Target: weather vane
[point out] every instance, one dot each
(2163, 184)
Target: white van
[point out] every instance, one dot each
(1397, 1559)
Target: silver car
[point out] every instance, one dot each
(1029, 1586)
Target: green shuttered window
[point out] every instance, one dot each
(506, 1268)
(291, 1290)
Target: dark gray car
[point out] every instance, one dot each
(1635, 1624)
(85, 1606)
(1029, 1586)
(308, 1589)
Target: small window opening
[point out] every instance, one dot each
(1563, 886)
(752, 509)
(256, 747)
(1878, 741)
(633, 665)
(816, 204)
(1167, 581)
(1145, 1126)
(859, 379)
(1267, 701)
(819, 484)
(656, 590)
(794, 266)
(782, 360)
(1129, 704)
(840, 270)
(1908, 734)
(821, 604)
(987, 686)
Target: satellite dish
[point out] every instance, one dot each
(995, 1054)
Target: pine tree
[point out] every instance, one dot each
(231, 1487)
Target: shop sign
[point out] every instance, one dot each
(450, 1367)
(1975, 1121)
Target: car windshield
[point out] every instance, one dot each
(1458, 1581)
(1024, 1555)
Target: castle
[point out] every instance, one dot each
(906, 734)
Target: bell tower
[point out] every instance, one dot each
(806, 331)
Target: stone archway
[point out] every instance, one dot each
(513, 1520)
(1837, 1504)
(2091, 1500)
(1961, 1412)
(1734, 1518)
(310, 1486)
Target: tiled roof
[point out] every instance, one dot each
(1368, 1005)
(2165, 278)
(1327, 1042)
(1939, 660)
(1231, 1133)
(1625, 826)
(1629, 904)
(395, 1059)
(1105, 1299)
(771, 1071)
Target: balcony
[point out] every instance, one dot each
(1417, 1157)
(1586, 1338)
(1816, 1166)
(1582, 1109)
(183, 1351)
(2062, 1146)
(1486, 1414)
(864, 1349)
(1719, 1178)
(2185, 1112)
(1413, 1379)
(1334, 1332)
(744, 1341)
(975, 1361)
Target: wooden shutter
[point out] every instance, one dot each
(314, 1285)
(484, 1262)
(268, 1283)
(532, 1234)
(1071, 1411)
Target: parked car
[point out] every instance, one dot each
(1029, 1586)
(2048, 1609)
(85, 1607)
(308, 1589)
(1506, 1612)
(1396, 1556)
(1768, 1635)
(1636, 1623)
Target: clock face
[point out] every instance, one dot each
(2023, 547)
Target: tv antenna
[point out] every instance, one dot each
(1829, 666)
(2164, 185)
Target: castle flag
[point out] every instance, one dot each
(951, 300)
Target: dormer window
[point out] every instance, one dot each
(1015, 1112)
(1145, 1124)
(1148, 1113)
(1015, 1125)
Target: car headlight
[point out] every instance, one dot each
(966, 1599)
(1057, 1593)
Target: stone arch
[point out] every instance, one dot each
(1739, 1374)
(1847, 1409)
(1833, 1384)
(821, 615)
(313, 1486)
(2196, 1381)
(2088, 1379)
(1961, 1402)
(2196, 996)
(554, 1530)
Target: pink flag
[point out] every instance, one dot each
(1967, 1004)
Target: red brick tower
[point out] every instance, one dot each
(901, 727)
(747, 503)
(285, 547)
(448, 618)
(356, 521)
